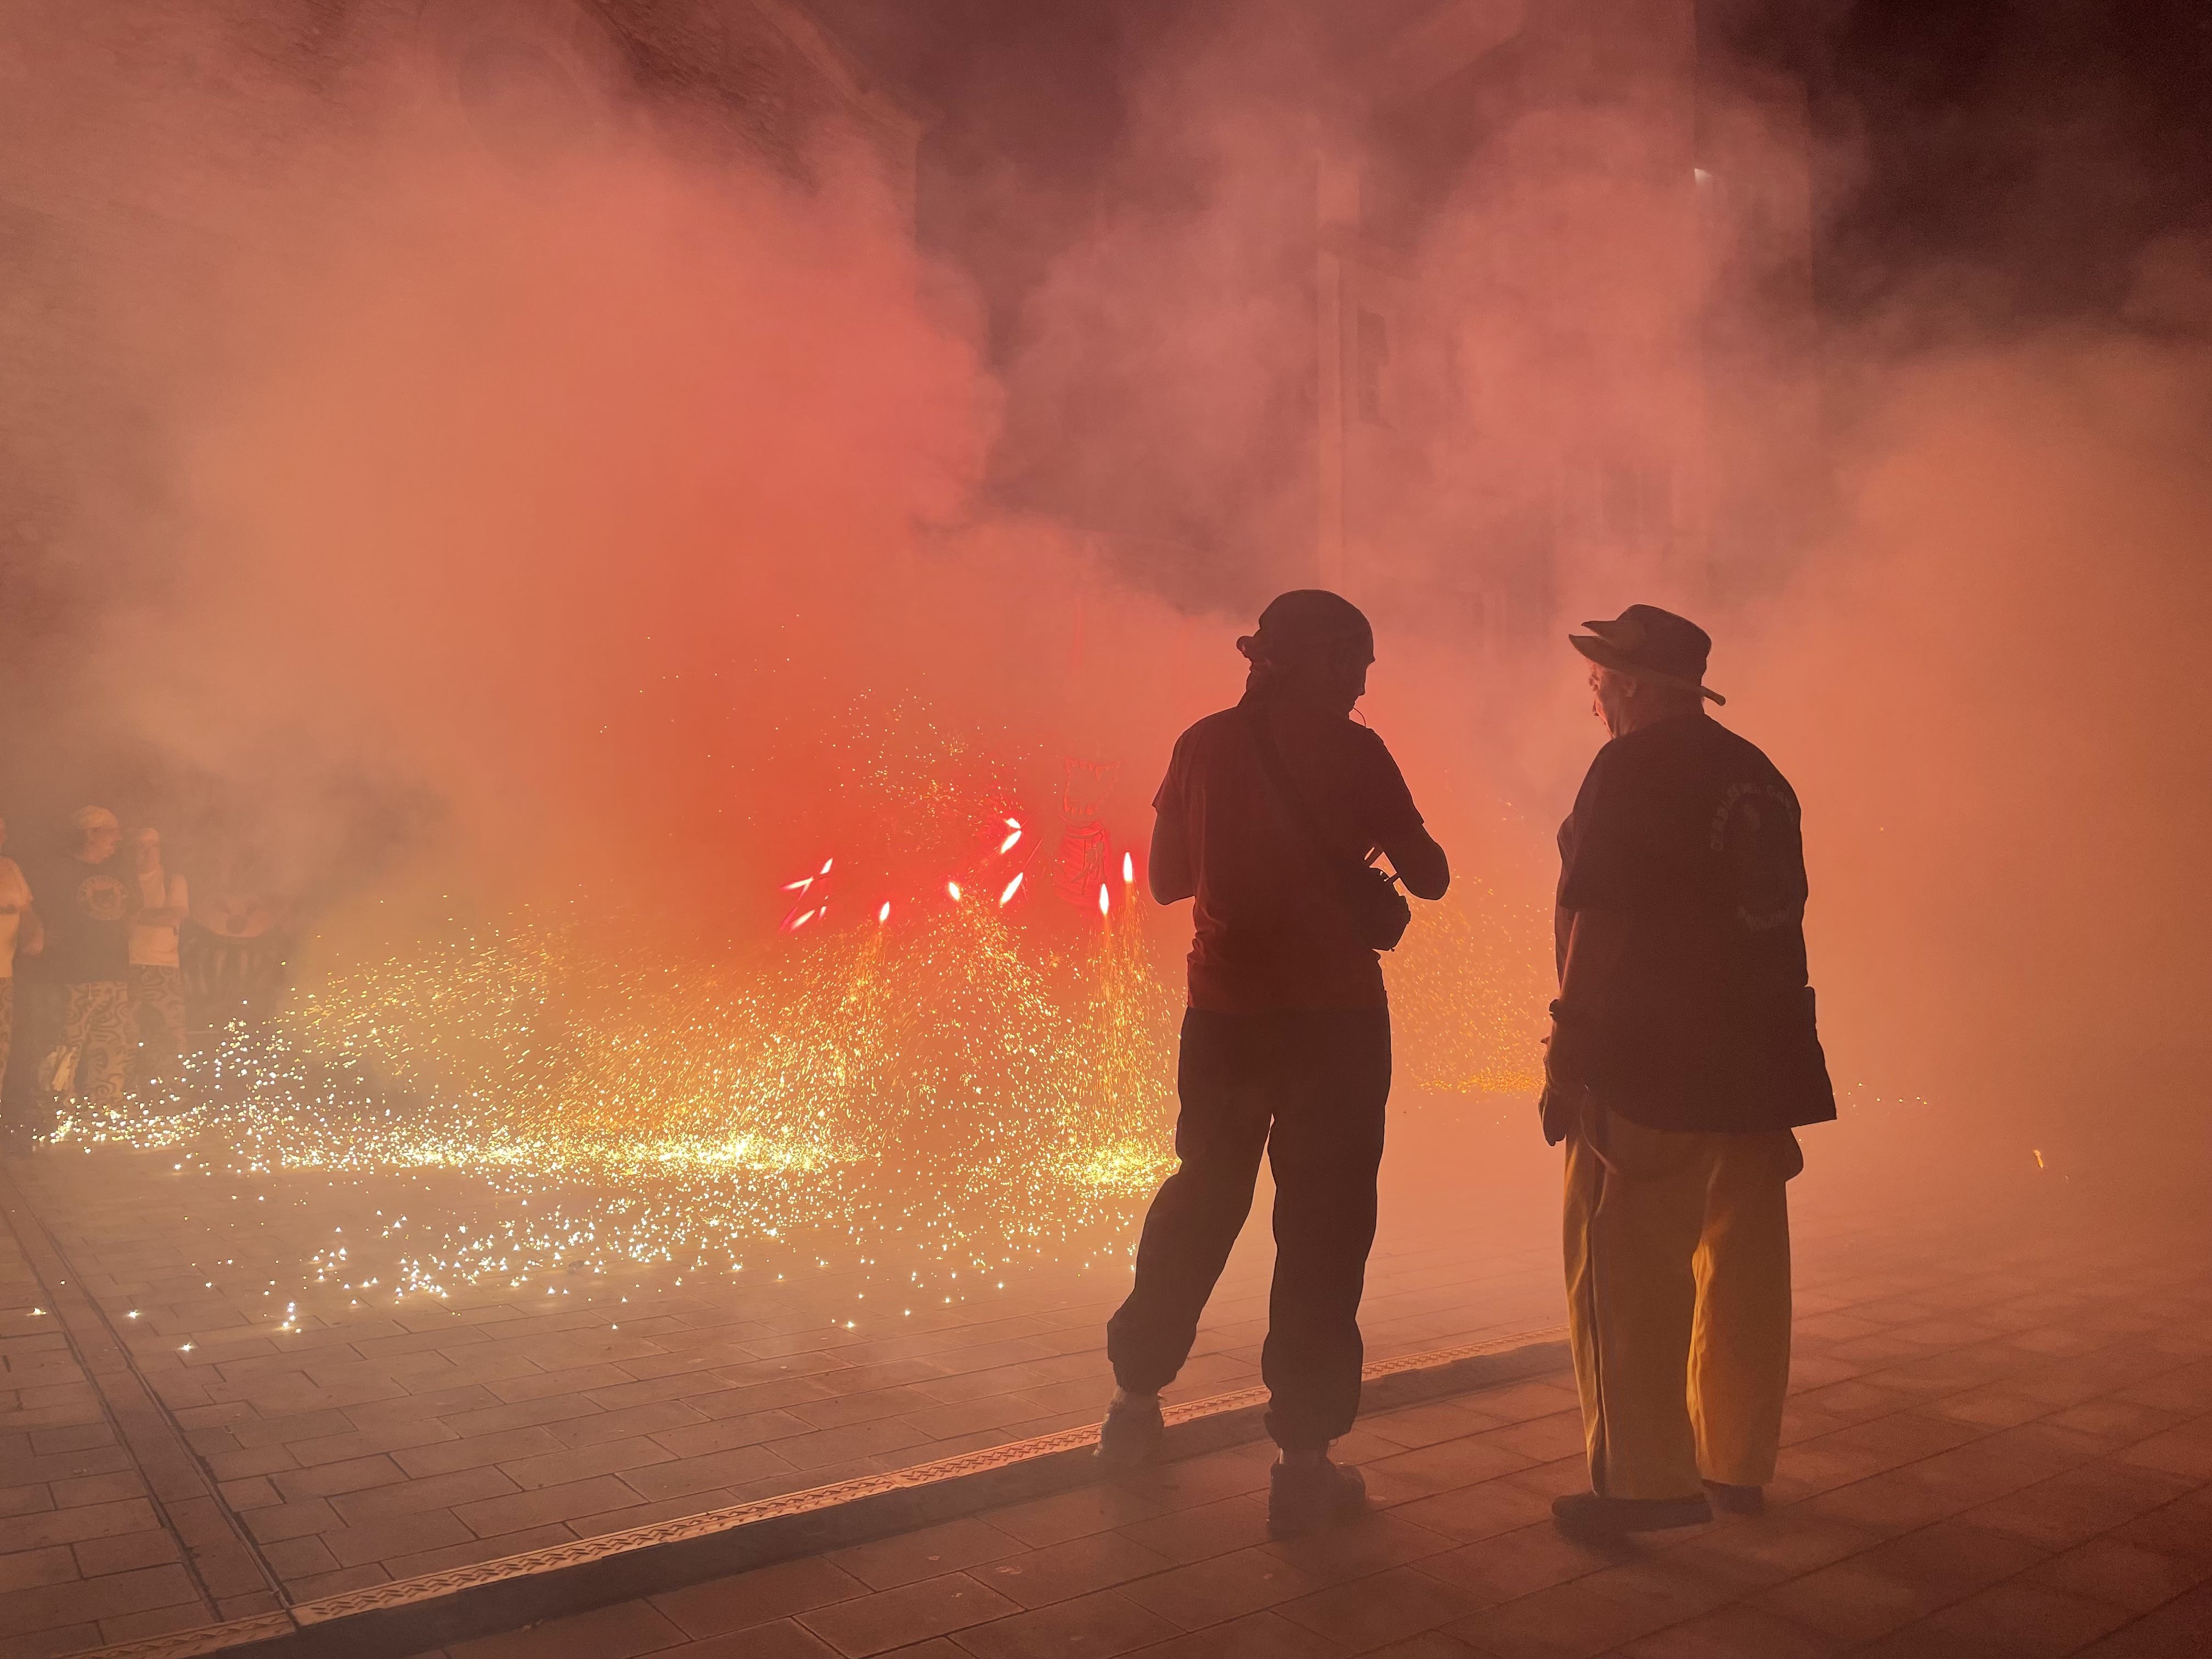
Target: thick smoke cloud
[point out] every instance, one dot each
(564, 500)
(1986, 685)
(566, 510)
(1949, 541)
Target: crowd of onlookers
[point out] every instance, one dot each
(123, 969)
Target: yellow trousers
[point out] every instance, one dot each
(1678, 1302)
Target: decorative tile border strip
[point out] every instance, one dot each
(226, 1571)
(414, 1614)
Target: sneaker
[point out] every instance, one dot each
(1303, 1496)
(1131, 1434)
(1736, 1500)
(1586, 1517)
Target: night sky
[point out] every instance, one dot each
(2025, 149)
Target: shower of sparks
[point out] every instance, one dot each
(544, 1100)
(1468, 991)
(942, 1079)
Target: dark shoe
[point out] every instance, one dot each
(1593, 1520)
(1303, 1496)
(1132, 1432)
(1736, 1500)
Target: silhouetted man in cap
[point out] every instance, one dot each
(1682, 1054)
(1270, 815)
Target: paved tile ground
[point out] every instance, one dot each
(352, 1442)
(294, 1454)
(74, 1512)
(2000, 1453)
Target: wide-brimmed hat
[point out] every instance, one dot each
(1647, 643)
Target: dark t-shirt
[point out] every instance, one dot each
(87, 909)
(1691, 833)
(1272, 929)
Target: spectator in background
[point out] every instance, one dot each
(19, 932)
(92, 896)
(157, 989)
(236, 960)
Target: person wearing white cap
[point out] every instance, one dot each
(93, 899)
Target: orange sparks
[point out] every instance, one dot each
(1013, 888)
(953, 888)
(1129, 869)
(885, 914)
(1104, 903)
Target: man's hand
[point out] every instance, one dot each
(1419, 862)
(1558, 1108)
(1565, 1052)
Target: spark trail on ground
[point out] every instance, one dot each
(944, 1074)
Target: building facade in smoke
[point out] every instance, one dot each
(1467, 306)
(1550, 283)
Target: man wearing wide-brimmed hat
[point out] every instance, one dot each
(1682, 1055)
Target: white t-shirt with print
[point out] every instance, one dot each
(154, 945)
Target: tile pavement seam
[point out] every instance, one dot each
(171, 1471)
(405, 1617)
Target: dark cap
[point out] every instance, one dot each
(1647, 643)
(1306, 619)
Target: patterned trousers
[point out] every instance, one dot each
(157, 1017)
(95, 1043)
